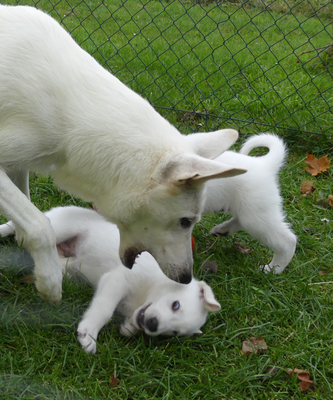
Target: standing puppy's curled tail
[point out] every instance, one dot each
(277, 149)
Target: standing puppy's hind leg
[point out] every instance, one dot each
(284, 246)
(35, 234)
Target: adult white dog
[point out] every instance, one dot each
(254, 199)
(61, 113)
(151, 302)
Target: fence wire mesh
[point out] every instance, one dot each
(255, 65)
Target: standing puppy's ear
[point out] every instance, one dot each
(207, 295)
(212, 144)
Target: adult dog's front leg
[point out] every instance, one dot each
(35, 234)
(21, 179)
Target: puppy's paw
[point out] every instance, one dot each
(87, 339)
(269, 268)
(128, 329)
(218, 232)
(7, 229)
(221, 230)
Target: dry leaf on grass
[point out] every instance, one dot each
(323, 273)
(113, 380)
(303, 376)
(316, 165)
(307, 188)
(242, 249)
(253, 345)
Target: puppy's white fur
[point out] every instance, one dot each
(61, 113)
(254, 199)
(145, 296)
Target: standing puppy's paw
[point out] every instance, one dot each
(87, 339)
(275, 269)
(218, 230)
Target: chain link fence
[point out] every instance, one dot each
(253, 65)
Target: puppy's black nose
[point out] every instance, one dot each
(152, 324)
(185, 278)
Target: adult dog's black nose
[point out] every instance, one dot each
(185, 278)
(152, 324)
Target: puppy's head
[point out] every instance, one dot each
(174, 310)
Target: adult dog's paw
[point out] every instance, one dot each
(50, 287)
(87, 339)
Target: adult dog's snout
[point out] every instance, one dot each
(129, 256)
(185, 278)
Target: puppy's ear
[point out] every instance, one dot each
(212, 144)
(207, 295)
(198, 169)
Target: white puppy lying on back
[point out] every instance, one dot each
(88, 245)
(254, 199)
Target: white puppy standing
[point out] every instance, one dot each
(254, 199)
(88, 246)
(64, 115)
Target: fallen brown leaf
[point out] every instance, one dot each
(303, 376)
(113, 380)
(323, 273)
(307, 188)
(242, 249)
(316, 165)
(253, 345)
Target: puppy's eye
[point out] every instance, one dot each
(175, 305)
(185, 223)
(175, 333)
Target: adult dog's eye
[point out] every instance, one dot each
(185, 223)
(175, 305)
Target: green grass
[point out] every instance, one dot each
(40, 357)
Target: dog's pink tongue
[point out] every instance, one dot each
(67, 248)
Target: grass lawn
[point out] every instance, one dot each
(40, 357)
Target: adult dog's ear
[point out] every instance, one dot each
(212, 144)
(207, 295)
(195, 168)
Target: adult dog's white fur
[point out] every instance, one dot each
(88, 246)
(254, 199)
(61, 113)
